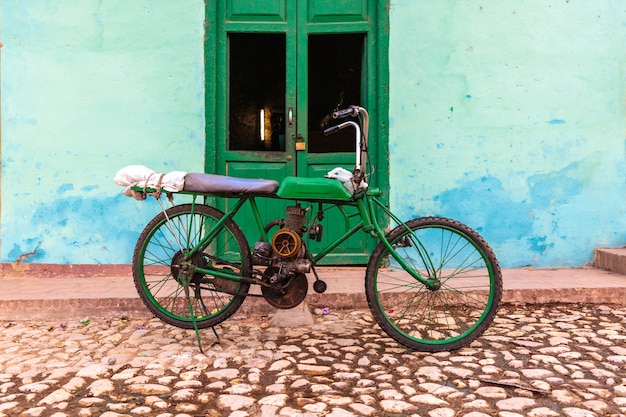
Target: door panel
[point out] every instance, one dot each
(257, 97)
(255, 141)
(334, 82)
(337, 11)
(261, 11)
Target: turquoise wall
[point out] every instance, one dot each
(510, 116)
(89, 87)
(507, 116)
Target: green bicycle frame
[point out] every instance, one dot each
(366, 204)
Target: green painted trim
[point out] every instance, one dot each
(256, 27)
(380, 118)
(210, 86)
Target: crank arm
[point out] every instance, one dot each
(251, 281)
(236, 278)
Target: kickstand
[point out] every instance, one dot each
(195, 327)
(217, 336)
(319, 286)
(193, 317)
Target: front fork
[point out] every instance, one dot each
(432, 282)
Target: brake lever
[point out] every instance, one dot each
(331, 130)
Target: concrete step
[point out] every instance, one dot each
(610, 259)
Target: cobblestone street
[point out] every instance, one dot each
(537, 360)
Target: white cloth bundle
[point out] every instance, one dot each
(345, 176)
(141, 176)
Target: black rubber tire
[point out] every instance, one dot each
(444, 318)
(155, 270)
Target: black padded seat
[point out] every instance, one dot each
(221, 184)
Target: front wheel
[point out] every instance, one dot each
(162, 255)
(461, 300)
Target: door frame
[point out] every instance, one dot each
(376, 85)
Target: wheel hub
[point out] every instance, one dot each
(433, 284)
(181, 268)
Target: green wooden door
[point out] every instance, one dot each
(276, 70)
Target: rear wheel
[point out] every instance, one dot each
(161, 259)
(464, 277)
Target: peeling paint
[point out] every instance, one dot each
(539, 244)
(486, 205)
(64, 188)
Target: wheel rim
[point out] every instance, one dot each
(463, 290)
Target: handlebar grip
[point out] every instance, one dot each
(350, 111)
(341, 113)
(331, 130)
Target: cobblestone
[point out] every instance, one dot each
(537, 361)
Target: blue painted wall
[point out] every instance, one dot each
(509, 117)
(87, 88)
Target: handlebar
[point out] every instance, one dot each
(361, 141)
(352, 111)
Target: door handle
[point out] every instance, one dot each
(290, 116)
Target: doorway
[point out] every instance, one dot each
(276, 70)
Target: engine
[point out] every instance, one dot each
(286, 254)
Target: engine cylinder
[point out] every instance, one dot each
(294, 218)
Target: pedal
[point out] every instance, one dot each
(319, 286)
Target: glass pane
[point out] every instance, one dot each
(335, 73)
(257, 92)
